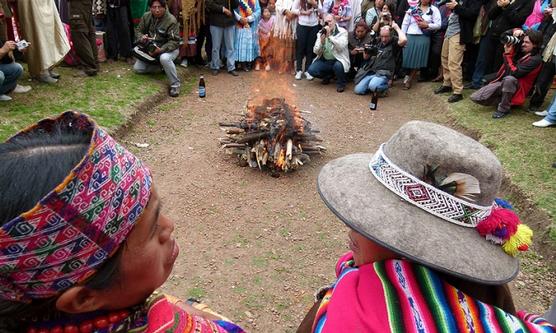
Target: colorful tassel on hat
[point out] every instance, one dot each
(503, 227)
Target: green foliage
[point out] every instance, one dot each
(109, 97)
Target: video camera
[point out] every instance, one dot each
(370, 49)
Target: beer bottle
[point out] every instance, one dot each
(374, 101)
(202, 88)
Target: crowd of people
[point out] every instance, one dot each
(504, 49)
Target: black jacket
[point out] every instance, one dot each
(513, 16)
(216, 16)
(467, 13)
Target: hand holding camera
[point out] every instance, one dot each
(22, 45)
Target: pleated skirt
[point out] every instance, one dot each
(416, 52)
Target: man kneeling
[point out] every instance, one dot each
(516, 77)
(332, 53)
(380, 62)
(158, 32)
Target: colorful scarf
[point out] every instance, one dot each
(399, 296)
(165, 315)
(79, 224)
(246, 9)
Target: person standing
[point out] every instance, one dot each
(222, 23)
(285, 27)
(117, 30)
(307, 29)
(83, 34)
(246, 45)
(459, 32)
(41, 26)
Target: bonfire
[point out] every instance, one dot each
(273, 136)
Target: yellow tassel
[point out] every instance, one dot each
(520, 241)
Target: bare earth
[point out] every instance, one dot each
(254, 247)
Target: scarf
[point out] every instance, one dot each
(399, 296)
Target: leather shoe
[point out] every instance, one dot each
(174, 91)
(340, 89)
(442, 89)
(499, 114)
(215, 72)
(470, 85)
(455, 98)
(233, 73)
(325, 81)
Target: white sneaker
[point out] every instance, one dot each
(19, 89)
(298, 75)
(543, 123)
(5, 98)
(258, 67)
(267, 68)
(308, 76)
(184, 63)
(542, 113)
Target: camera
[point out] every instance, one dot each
(387, 17)
(370, 49)
(510, 40)
(22, 45)
(323, 30)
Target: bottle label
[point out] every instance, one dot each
(202, 91)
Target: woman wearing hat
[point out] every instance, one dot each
(83, 242)
(431, 249)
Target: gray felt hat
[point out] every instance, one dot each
(353, 193)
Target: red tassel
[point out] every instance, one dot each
(501, 223)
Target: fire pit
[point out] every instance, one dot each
(273, 135)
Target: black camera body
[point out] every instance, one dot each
(323, 30)
(370, 49)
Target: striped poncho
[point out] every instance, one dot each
(399, 296)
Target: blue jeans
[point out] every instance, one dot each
(167, 62)
(551, 117)
(373, 83)
(9, 73)
(326, 69)
(219, 33)
(487, 51)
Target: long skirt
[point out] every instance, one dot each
(416, 52)
(246, 44)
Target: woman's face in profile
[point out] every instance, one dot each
(366, 251)
(147, 260)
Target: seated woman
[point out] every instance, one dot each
(431, 247)
(80, 221)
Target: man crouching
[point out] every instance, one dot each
(157, 36)
(517, 75)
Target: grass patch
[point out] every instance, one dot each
(526, 152)
(196, 292)
(110, 97)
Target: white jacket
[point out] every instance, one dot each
(339, 47)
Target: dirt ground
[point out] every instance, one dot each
(253, 247)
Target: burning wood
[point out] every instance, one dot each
(273, 135)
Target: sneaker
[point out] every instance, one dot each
(308, 76)
(542, 113)
(534, 109)
(298, 75)
(499, 114)
(184, 63)
(5, 98)
(47, 79)
(455, 98)
(174, 91)
(267, 68)
(442, 89)
(543, 123)
(53, 74)
(19, 89)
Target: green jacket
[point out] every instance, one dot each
(165, 30)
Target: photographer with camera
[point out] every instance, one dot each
(357, 40)
(385, 15)
(380, 63)
(158, 35)
(332, 53)
(516, 76)
(10, 71)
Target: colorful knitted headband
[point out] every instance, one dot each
(497, 223)
(78, 225)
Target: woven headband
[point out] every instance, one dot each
(78, 225)
(497, 223)
(425, 196)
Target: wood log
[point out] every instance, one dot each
(252, 136)
(234, 145)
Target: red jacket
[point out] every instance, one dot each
(525, 71)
